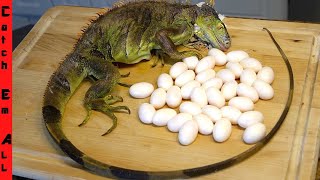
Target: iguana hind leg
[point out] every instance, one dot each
(98, 97)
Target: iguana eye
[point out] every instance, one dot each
(219, 26)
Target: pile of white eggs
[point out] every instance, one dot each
(208, 102)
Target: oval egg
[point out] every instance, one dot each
(165, 81)
(162, 116)
(177, 69)
(215, 97)
(187, 89)
(236, 68)
(141, 90)
(266, 74)
(251, 63)
(199, 96)
(265, 90)
(185, 77)
(219, 56)
(254, 133)
(207, 62)
(205, 75)
(158, 98)
(242, 103)
(212, 112)
(191, 62)
(248, 76)
(214, 82)
(188, 132)
(205, 125)
(146, 112)
(229, 90)
(247, 91)
(226, 75)
(173, 97)
(236, 56)
(190, 107)
(222, 130)
(249, 118)
(175, 123)
(231, 113)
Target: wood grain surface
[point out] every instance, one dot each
(292, 153)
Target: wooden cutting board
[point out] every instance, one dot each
(292, 153)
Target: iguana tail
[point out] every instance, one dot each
(68, 77)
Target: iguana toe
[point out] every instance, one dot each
(109, 110)
(125, 75)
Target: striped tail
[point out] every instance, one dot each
(62, 85)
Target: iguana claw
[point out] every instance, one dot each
(109, 110)
(125, 75)
(104, 105)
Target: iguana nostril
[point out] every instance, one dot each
(227, 44)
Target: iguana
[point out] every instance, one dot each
(125, 34)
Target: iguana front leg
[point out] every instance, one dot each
(193, 43)
(166, 43)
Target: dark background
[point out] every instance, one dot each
(304, 10)
(24, 18)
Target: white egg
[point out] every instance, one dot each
(242, 103)
(219, 56)
(207, 62)
(254, 133)
(190, 107)
(212, 112)
(177, 69)
(188, 132)
(236, 56)
(215, 97)
(191, 62)
(158, 98)
(226, 75)
(236, 68)
(141, 90)
(185, 77)
(165, 81)
(205, 75)
(247, 91)
(214, 82)
(146, 112)
(175, 123)
(265, 90)
(249, 118)
(251, 63)
(187, 89)
(266, 74)
(205, 124)
(229, 90)
(231, 113)
(222, 130)
(248, 76)
(199, 96)
(173, 97)
(162, 116)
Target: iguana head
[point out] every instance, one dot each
(210, 29)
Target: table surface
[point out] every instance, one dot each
(292, 152)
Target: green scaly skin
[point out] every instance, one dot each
(127, 35)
